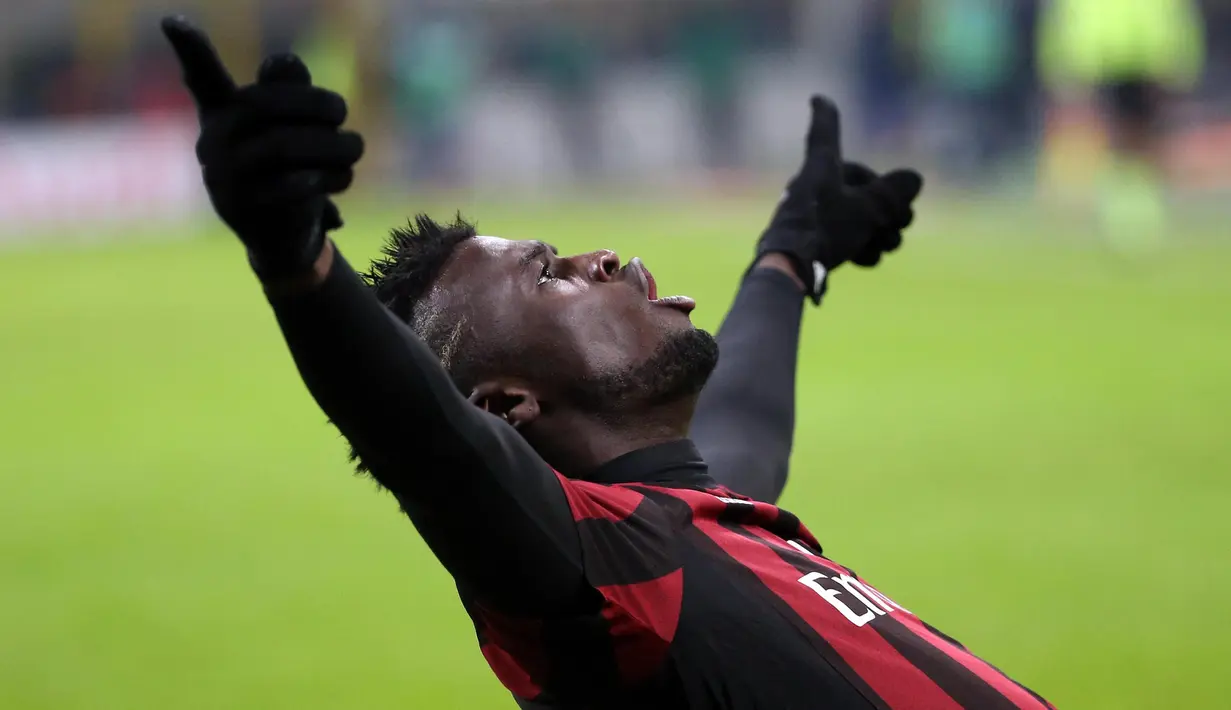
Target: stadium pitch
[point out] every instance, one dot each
(1002, 405)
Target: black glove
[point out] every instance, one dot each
(890, 196)
(823, 222)
(271, 152)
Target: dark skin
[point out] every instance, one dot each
(584, 314)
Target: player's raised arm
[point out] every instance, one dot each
(830, 213)
(272, 153)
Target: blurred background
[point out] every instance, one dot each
(1010, 96)
(1019, 426)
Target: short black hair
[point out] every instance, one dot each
(408, 265)
(411, 261)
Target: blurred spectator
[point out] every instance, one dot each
(567, 61)
(884, 76)
(710, 44)
(331, 51)
(967, 50)
(78, 89)
(32, 68)
(1022, 119)
(974, 61)
(160, 91)
(1134, 57)
(155, 87)
(432, 72)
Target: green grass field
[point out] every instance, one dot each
(1015, 433)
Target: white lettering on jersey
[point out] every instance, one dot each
(852, 585)
(875, 593)
(874, 603)
(812, 580)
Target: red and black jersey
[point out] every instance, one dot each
(642, 585)
(711, 600)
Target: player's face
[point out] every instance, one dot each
(579, 319)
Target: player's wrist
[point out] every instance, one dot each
(777, 261)
(278, 257)
(308, 278)
(807, 275)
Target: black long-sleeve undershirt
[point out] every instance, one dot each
(745, 418)
(458, 472)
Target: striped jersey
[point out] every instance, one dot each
(707, 599)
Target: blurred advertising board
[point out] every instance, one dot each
(96, 173)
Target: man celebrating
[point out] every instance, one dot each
(530, 413)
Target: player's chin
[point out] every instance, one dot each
(675, 327)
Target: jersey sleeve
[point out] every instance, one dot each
(630, 561)
(745, 417)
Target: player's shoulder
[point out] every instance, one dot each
(603, 501)
(659, 503)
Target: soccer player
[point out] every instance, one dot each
(1138, 58)
(530, 413)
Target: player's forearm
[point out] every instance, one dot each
(745, 418)
(379, 384)
(459, 474)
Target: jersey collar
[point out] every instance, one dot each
(672, 463)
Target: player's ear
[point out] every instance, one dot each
(513, 403)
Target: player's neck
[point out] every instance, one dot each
(577, 443)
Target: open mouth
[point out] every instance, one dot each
(650, 287)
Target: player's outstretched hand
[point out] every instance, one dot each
(890, 198)
(833, 211)
(271, 152)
